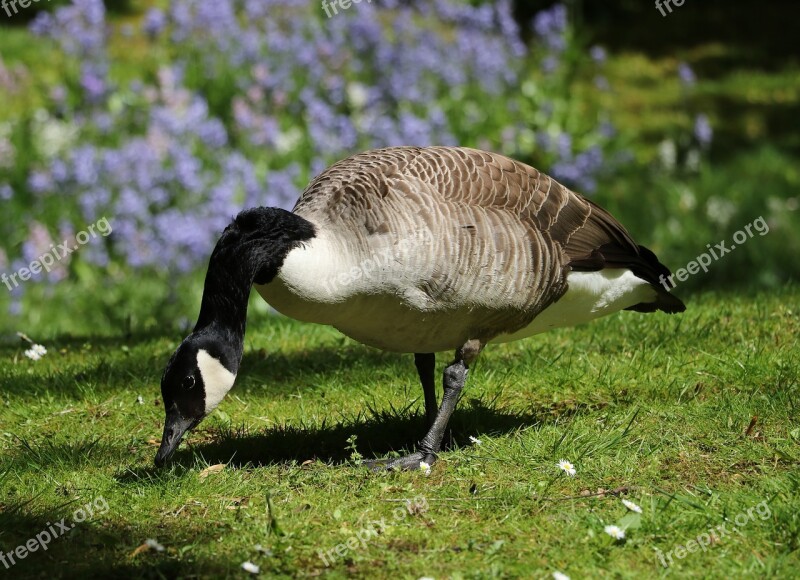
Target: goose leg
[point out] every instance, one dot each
(426, 364)
(455, 375)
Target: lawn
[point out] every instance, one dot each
(692, 417)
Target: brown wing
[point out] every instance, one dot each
(492, 196)
(587, 235)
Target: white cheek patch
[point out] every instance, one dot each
(217, 379)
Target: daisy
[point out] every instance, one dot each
(36, 352)
(631, 506)
(250, 567)
(560, 576)
(615, 532)
(425, 467)
(475, 440)
(566, 467)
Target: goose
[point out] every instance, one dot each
(413, 250)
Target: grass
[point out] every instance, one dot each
(692, 417)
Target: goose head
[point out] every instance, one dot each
(203, 368)
(198, 376)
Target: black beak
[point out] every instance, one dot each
(174, 428)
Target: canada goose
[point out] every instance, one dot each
(416, 250)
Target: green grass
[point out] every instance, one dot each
(652, 407)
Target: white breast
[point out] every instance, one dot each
(328, 281)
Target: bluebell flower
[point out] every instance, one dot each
(281, 188)
(96, 254)
(686, 74)
(601, 83)
(93, 82)
(83, 162)
(40, 182)
(703, 131)
(154, 22)
(212, 133)
(564, 145)
(550, 64)
(94, 202)
(132, 204)
(598, 54)
(551, 25)
(607, 130)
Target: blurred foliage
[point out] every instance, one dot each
(168, 120)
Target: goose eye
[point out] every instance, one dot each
(188, 382)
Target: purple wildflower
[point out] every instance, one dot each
(598, 54)
(154, 22)
(686, 74)
(703, 130)
(551, 25)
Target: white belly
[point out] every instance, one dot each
(590, 295)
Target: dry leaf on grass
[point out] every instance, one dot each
(211, 469)
(148, 544)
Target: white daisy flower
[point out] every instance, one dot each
(615, 532)
(36, 352)
(140, 400)
(154, 545)
(560, 576)
(631, 506)
(566, 467)
(425, 467)
(250, 567)
(475, 440)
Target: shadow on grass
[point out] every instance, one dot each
(384, 433)
(101, 547)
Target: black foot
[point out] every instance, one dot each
(407, 463)
(411, 462)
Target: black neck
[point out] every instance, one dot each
(251, 250)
